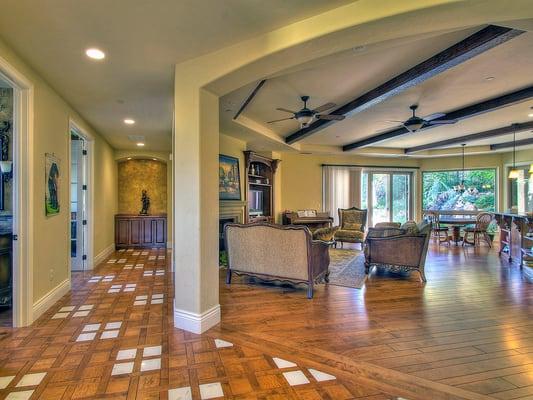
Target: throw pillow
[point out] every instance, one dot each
(325, 234)
(410, 227)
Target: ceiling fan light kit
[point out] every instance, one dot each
(306, 116)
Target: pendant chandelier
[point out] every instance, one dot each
(461, 187)
(514, 173)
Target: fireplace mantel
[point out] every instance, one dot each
(232, 209)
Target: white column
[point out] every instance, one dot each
(195, 250)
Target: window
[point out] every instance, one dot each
(520, 191)
(480, 194)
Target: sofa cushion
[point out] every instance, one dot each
(352, 226)
(342, 234)
(381, 232)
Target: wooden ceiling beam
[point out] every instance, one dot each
(507, 145)
(460, 114)
(249, 98)
(504, 130)
(481, 41)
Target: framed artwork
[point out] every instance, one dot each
(229, 178)
(52, 183)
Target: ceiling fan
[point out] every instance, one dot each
(305, 116)
(415, 123)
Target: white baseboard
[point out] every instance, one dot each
(104, 254)
(50, 298)
(196, 323)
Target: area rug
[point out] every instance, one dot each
(347, 268)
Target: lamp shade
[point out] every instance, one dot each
(6, 166)
(514, 174)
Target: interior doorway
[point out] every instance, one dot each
(6, 203)
(78, 201)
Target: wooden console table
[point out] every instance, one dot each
(135, 231)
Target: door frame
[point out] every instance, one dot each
(23, 184)
(411, 194)
(88, 239)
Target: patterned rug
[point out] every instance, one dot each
(347, 268)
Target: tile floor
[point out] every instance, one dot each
(99, 343)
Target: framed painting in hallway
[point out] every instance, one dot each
(52, 184)
(229, 180)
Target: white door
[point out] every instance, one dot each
(78, 190)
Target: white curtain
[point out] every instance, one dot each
(341, 188)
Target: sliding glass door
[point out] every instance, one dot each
(387, 196)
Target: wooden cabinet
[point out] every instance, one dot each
(260, 174)
(140, 230)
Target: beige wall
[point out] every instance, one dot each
(301, 181)
(51, 255)
(136, 176)
(301, 175)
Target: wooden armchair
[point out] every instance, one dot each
(479, 230)
(352, 223)
(440, 233)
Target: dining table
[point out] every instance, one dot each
(456, 223)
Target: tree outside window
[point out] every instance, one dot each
(439, 194)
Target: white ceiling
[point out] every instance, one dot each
(143, 41)
(347, 75)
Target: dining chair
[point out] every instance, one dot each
(479, 230)
(440, 233)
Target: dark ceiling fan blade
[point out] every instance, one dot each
(279, 120)
(324, 107)
(286, 110)
(434, 116)
(331, 117)
(442, 122)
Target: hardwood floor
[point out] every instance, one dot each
(466, 334)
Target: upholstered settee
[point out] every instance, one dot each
(398, 248)
(276, 252)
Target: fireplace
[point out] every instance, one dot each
(230, 211)
(221, 224)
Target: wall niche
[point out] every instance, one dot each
(136, 175)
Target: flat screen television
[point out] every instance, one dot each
(255, 202)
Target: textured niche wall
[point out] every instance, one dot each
(134, 176)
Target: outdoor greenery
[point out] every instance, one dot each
(439, 194)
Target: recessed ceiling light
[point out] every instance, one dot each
(530, 115)
(95, 54)
(129, 121)
(155, 159)
(129, 158)
(489, 78)
(140, 144)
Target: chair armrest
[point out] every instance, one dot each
(319, 257)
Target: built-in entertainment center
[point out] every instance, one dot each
(260, 175)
